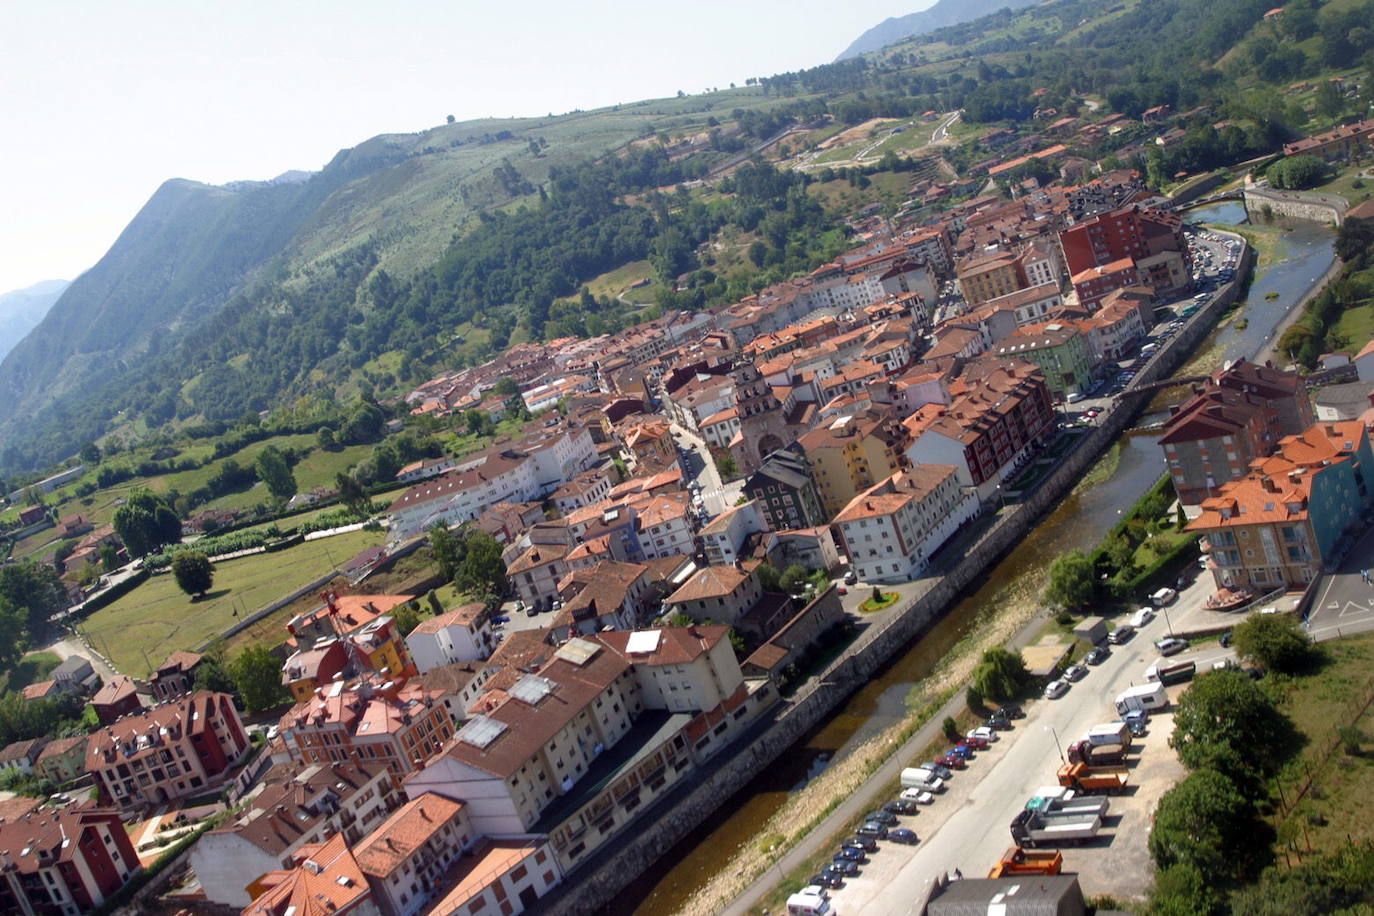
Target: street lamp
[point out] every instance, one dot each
(1057, 745)
(1167, 623)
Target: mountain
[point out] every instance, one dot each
(22, 309)
(943, 13)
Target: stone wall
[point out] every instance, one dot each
(1320, 208)
(678, 812)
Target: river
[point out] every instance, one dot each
(1077, 523)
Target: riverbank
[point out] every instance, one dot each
(1269, 350)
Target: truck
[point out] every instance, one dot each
(1096, 755)
(1031, 829)
(1059, 802)
(1144, 697)
(812, 900)
(1109, 733)
(1018, 861)
(1090, 780)
(921, 778)
(1166, 673)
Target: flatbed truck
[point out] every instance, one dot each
(1017, 861)
(1092, 780)
(1031, 829)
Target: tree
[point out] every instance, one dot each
(406, 619)
(364, 424)
(352, 494)
(792, 578)
(90, 454)
(1226, 722)
(1273, 641)
(257, 675)
(13, 624)
(725, 464)
(146, 523)
(1295, 173)
(210, 674)
(109, 557)
(1181, 890)
(193, 572)
(506, 386)
(1205, 823)
(769, 577)
(1000, 674)
(448, 551)
(33, 591)
(1071, 581)
(482, 569)
(324, 438)
(276, 474)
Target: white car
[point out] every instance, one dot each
(919, 796)
(1056, 689)
(984, 733)
(1164, 596)
(1142, 617)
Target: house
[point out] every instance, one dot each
(76, 675)
(463, 634)
(341, 615)
(1239, 415)
(608, 595)
(425, 468)
(536, 572)
(1347, 401)
(1044, 895)
(45, 690)
(990, 277)
(1276, 526)
(723, 538)
(1058, 349)
(813, 548)
(66, 860)
(298, 804)
(666, 524)
(457, 686)
(850, 454)
(175, 750)
(1364, 361)
(391, 721)
(785, 492)
(891, 529)
(175, 676)
(21, 755)
(720, 594)
(508, 874)
(306, 669)
(117, 698)
(1340, 144)
(62, 759)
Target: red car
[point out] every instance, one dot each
(975, 741)
(953, 761)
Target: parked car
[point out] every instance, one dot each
(1075, 673)
(1011, 712)
(985, 733)
(1171, 645)
(873, 830)
(828, 879)
(964, 750)
(919, 796)
(953, 761)
(866, 843)
(999, 722)
(1056, 689)
(851, 578)
(1164, 596)
(902, 806)
(842, 590)
(1121, 634)
(843, 867)
(849, 854)
(938, 769)
(1142, 617)
(1097, 655)
(903, 835)
(500, 619)
(882, 817)
(973, 743)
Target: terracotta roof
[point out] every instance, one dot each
(288, 807)
(523, 649)
(60, 746)
(404, 833)
(671, 646)
(40, 690)
(465, 616)
(179, 661)
(477, 870)
(709, 582)
(330, 885)
(911, 485)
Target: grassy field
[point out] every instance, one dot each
(30, 669)
(617, 282)
(889, 188)
(1337, 808)
(140, 629)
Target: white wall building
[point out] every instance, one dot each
(890, 530)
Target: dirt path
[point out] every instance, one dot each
(70, 646)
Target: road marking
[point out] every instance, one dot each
(1354, 606)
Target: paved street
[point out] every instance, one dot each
(966, 828)
(1345, 602)
(698, 466)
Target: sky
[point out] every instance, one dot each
(101, 102)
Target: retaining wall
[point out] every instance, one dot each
(699, 795)
(1320, 208)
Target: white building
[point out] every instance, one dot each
(891, 529)
(460, 635)
(725, 535)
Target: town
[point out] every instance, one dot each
(664, 540)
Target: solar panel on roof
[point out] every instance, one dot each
(480, 731)
(643, 642)
(531, 689)
(578, 651)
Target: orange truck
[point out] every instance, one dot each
(1091, 780)
(1018, 861)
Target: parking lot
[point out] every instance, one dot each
(1345, 602)
(966, 827)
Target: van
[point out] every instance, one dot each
(918, 778)
(809, 901)
(1164, 596)
(1074, 397)
(1145, 697)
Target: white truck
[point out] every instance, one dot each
(1146, 697)
(920, 778)
(1109, 733)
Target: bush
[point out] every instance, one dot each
(950, 728)
(1274, 641)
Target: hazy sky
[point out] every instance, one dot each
(100, 102)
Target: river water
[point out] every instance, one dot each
(1077, 523)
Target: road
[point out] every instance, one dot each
(70, 646)
(939, 134)
(716, 496)
(1345, 602)
(966, 828)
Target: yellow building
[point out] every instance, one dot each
(851, 454)
(989, 277)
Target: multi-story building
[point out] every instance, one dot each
(666, 525)
(175, 676)
(1276, 526)
(63, 861)
(1151, 241)
(62, 759)
(583, 744)
(1238, 416)
(392, 722)
(891, 529)
(717, 593)
(536, 572)
(851, 454)
(990, 277)
(1340, 144)
(726, 534)
(785, 492)
(609, 594)
(299, 804)
(116, 697)
(404, 860)
(992, 426)
(1060, 351)
(166, 752)
(1029, 305)
(463, 634)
